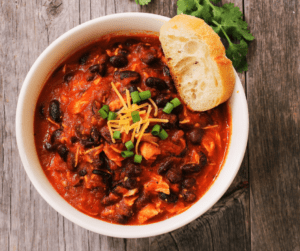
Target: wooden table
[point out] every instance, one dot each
(260, 211)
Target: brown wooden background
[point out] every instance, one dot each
(264, 215)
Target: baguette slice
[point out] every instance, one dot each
(203, 76)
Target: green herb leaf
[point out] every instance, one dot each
(142, 2)
(227, 21)
(237, 54)
(186, 6)
(231, 20)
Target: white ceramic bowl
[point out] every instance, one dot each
(38, 74)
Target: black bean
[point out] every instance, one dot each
(171, 85)
(49, 147)
(149, 58)
(87, 142)
(205, 119)
(174, 175)
(68, 77)
(82, 172)
(166, 71)
(132, 89)
(100, 69)
(156, 83)
(191, 168)
(110, 199)
(177, 110)
(94, 68)
(74, 139)
(95, 136)
(54, 111)
(188, 183)
(170, 198)
(121, 219)
(42, 110)
(99, 172)
(90, 78)
(130, 183)
(161, 101)
(195, 136)
(136, 77)
(107, 177)
(186, 126)
(130, 42)
(104, 160)
(203, 159)
(63, 151)
(104, 131)
(188, 196)
(84, 58)
(165, 166)
(55, 135)
(142, 201)
(147, 54)
(96, 107)
(172, 121)
(132, 170)
(118, 61)
(71, 161)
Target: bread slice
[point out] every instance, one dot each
(203, 76)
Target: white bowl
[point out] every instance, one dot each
(33, 84)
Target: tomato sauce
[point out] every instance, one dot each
(86, 167)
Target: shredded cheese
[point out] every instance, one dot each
(155, 107)
(110, 131)
(119, 95)
(124, 122)
(140, 136)
(54, 123)
(128, 99)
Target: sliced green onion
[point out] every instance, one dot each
(135, 97)
(137, 158)
(175, 102)
(145, 95)
(155, 130)
(103, 113)
(127, 154)
(168, 108)
(117, 135)
(135, 116)
(111, 116)
(129, 145)
(163, 134)
(105, 108)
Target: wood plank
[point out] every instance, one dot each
(274, 143)
(27, 221)
(221, 228)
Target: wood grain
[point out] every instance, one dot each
(274, 142)
(27, 222)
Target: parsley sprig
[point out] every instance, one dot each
(227, 21)
(142, 2)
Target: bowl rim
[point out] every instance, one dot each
(139, 231)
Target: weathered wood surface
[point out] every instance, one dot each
(267, 218)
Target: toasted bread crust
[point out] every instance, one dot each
(198, 28)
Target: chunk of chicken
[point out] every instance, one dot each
(156, 184)
(113, 155)
(149, 151)
(147, 213)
